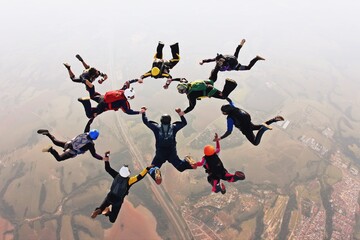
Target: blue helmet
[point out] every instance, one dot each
(94, 133)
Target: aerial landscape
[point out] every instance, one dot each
(302, 180)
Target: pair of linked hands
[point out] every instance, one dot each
(216, 138)
(178, 110)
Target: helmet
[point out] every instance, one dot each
(182, 87)
(94, 133)
(129, 93)
(124, 171)
(165, 119)
(155, 71)
(226, 108)
(209, 150)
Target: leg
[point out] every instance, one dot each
(229, 86)
(115, 211)
(89, 111)
(275, 119)
(159, 51)
(62, 157)
(240, 67)
(175, 55)
(180, 165)
(106, 203)
(55, 141)
(71, 74)
(233, 177)
(86, 66)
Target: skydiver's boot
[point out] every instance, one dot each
(79, 57)
(95, 213)
(229, 86)
(220, 187)
(106, 211)
(175, 54)
(191, 161)
(259, 58)
(67, 66)
(239, 176)
(84, 99)
(155, 173)
(47, 149)
(159, 50)
(43, 132)
(275, 119)
(223, 189)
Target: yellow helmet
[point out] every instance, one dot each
(155, 71)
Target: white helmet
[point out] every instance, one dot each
(124, 171)
(129, 93)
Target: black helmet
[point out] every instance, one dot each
(226, 108)
(165, 119)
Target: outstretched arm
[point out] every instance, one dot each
(236, 54)
(136, 178)
(108, 168)
(93, 152)
(230, 126)
(149, 124)
(207, 61)
(201, 163)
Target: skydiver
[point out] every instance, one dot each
(242, 120)
(165, 144)
(204, 88)
(78, 145)
(90, 73)
(118, 190)
(160, 67)
(230, 62)
(215, 168)
(112, 100)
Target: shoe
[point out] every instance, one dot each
(230, 80)
(67, 66)
(267, 127)
(83, 99)
(95, 213)
(259, 58)
(43, 131)
(106, 211)
(191, 161)
(278, 118)
(47, 149)
(79, 57)
(158, 178)
(223, 189)
(239, 176)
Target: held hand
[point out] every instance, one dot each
(107, 154)
(178, 110)
(143, 109)
(140, 80)
(216, 138)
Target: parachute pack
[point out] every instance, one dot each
(166, 136)
(119, 187)
(79, 141)
(113, 96)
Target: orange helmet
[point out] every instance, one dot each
(209, 150)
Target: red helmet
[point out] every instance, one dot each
(209, 150)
